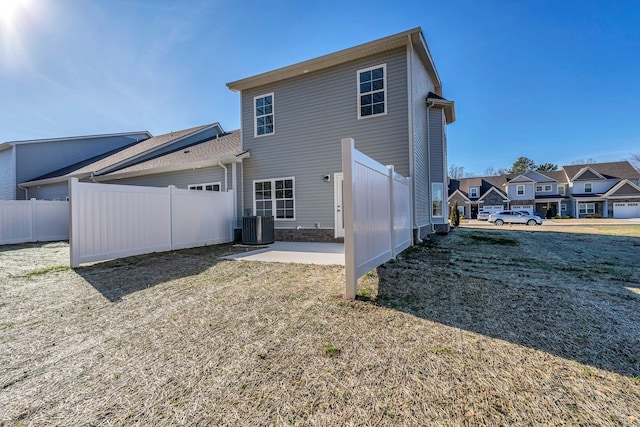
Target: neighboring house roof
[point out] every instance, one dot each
(539, 177)
(412, 37)
(558, 176)
(223, 149)
(495, 190)
(484, 184)
(141, 134)
(121, 157)
(611, 170)
(624, 188)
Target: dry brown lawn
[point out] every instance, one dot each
(480, 327)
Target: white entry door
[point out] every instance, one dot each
(338, 187)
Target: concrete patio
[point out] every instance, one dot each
(296, 252)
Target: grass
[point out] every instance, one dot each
(48, 270)
(457, 331)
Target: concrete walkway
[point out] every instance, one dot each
(296, 252)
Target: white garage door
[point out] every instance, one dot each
(626, 210)
(527, 208)
(492, 209)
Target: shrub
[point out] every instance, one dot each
(597, 215)
(589, 216)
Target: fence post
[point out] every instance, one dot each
(172, 215)
(351, 281)
(34, 222)
(74, 227)
(392, 233)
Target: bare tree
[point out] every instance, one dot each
(491, 171)
(583, 161)
(456, 172)
(635, 161)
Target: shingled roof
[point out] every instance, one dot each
(225, 147)
(611, 170)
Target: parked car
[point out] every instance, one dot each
(483, 216)
(514, 217)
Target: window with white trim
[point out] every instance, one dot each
(264, 123)
(520, 190)
(561, 190)
(538, 187)
(587, 208)
(587, 187)
(210, 186)
(474, 191)
(372, 91)
(274, 197)
(436, 199)
(563, 207)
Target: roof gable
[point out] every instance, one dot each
(539, 177)
(494, 189)
(520, 179)
(413, 37)
(611, 170)
(624, 188)
(457, 191)
(587, 173)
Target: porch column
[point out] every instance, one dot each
(560, 207)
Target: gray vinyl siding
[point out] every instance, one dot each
(312, 113)
(36, 159)
(181, 179)
(7, 175)
(59, 190)
(421, 86)
(528, 192)
(436, 145)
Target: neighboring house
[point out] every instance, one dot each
(158, 161)
(385, 94)
(606, 189)
(21, 161)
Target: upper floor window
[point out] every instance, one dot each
(587, 187)
(473, 191)
(372, 91)
(520, 190)
(212, 186)
(263, 109)
(561, 190)
(543, 188)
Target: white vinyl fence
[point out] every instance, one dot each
(115, 221)
(33, 220)
(377, 208)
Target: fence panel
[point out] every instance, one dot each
(201, 218)
(115, 221)
(24, 221)
(377, 214)
(403, 237)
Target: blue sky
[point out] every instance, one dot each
(555, 81)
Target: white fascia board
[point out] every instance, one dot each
(76, 138)
(618, 186)
(583, 170)
(54, 180)
(459, 192)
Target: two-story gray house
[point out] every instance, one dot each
(595, 189)
(21, 161)
(386, 95)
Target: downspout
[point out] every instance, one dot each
(225, 173)
(92, 178)
(430, 188)
(26, 191)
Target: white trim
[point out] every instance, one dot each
(273, 196)
(461, 193)
(477, 192)
(583, 170)
(618, 186)
(384, 90)
(273, 115)
(505, 198)
(586, 208)
(204, 185)
(518, 190)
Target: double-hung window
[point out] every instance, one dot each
(587, 208)
(372, 91)
(264, 123)
(473, 192)
(436, 199)
(520, 190)
(211, 186)
(275, 197)
(587, 187)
